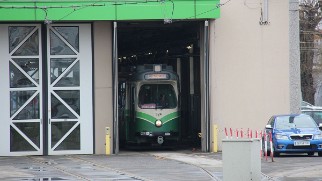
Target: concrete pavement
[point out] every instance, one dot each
(148, 166)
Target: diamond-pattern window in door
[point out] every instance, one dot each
(71, 78)
(30, 111)
(71, 97)
(18, 79)
(31, 130)
(59, 66)
(19, 98)
(70, 34)
(59, 110)
(30, 66)
(72, 141)
(58, 46)
(17, 34)
(19, 142)
(29, 47)
(59, 131)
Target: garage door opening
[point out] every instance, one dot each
(176, 47)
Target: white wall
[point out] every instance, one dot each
(249, 65)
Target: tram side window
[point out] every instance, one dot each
(153, 96)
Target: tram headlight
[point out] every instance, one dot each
(158, 123)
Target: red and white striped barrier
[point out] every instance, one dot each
(261, 143)
(226, 133)
(236, 133)
(230, 133)
(265, 145)
(271, 145)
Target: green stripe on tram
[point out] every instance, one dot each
(152, 119)
(169, 117)
(145, 117)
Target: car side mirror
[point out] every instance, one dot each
(320, 125)
(268, 126)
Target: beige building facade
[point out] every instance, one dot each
(254, 68)
(249, 56)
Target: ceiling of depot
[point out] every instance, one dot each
(156, 42)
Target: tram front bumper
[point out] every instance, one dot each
(153, 134)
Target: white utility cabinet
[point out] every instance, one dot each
(241, 159)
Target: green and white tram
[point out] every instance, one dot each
(152, 112)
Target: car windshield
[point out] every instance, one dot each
(161, 96)
(288, 122)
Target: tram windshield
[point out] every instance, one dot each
(162, 96)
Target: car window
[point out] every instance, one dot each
(272, 122)
(289, 122)
(316, 115)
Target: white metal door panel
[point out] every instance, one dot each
(21, 116)
(70, 115)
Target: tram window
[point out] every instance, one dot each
(153, 96)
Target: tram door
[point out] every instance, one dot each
(35, 116)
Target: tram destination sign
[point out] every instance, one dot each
(156, 76)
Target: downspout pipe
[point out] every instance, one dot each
(115, 92)
(206, 85)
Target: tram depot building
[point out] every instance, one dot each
(63, 63)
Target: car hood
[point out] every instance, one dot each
(298, 131)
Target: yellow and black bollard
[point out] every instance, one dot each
(107, 141)
(215, 138)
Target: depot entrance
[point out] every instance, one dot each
(178, 45)
(46, 97)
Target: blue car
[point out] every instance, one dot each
(294, 133)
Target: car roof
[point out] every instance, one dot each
(304, 103)
(279, 115)
(311, 108)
